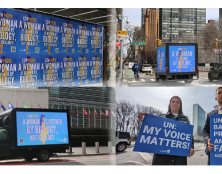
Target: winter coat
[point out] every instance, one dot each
(160, 159)
(206, 129)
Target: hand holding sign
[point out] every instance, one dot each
(210, 146)
(191, 152)
(141, 116)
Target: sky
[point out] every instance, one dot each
(134, 15)
(159, 97)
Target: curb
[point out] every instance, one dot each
(73, 155)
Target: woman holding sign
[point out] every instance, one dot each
(175, 113)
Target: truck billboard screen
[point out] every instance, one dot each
(161, 60)
(41, 128)
(182, 59)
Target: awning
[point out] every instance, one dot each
(90, 15)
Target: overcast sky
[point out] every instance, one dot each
(159, 97)
(134, 15)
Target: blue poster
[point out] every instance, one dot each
(41, 50)
(41, 128)
(164, 136)
(215, 138)
(182, 59)
(161, 59)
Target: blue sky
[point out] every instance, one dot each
(134, 15)
(159, 97)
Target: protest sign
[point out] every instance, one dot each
(216, 139)
(164, 136)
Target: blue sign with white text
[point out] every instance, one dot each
(215, 138)
(41, 128)
(164, 136)
(40, 50)
(182, 59)
(161, 59)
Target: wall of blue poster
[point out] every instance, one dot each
(41, 50)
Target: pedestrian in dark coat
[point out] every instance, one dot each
(206, 129)
(175, 113)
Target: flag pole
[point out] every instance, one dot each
(77, 116)
(100, 117)
(106, 118)
(71, 116)
(89, 116)
(94, 118)
(83, 116)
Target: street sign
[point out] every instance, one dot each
(139, 43)
(121, 35)
(121, 32)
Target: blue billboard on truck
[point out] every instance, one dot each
(41, 128)
(41, 50)
(181, 59)
(161, 60)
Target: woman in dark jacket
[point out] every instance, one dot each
(175, 113)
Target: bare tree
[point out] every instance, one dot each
(134, 34)
(124, 111)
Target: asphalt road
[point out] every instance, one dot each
(76, 160)
(148, 80)
(128, 157)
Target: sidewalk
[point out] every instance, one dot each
(77, 151)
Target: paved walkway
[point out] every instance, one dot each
(77, 151)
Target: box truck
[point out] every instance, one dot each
(177, 62)
(34, 133)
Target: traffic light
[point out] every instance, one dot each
(157, 42)
(160, 42)
(215, 45)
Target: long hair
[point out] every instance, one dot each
(41, 119)
(180, 110)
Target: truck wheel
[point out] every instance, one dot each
(43, 155)
(188, 81)
(163, 79)
(210, 78)
(157, 79)
(120, 147)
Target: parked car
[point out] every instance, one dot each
(215, 73)
(122, 141)
(147, 68)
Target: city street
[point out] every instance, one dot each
(128, 157)
(74, 160)
(148, 80)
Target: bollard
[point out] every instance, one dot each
(97, 147)
(110, 147)
(70, 149)
(83, 147)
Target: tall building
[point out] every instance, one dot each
(199, 118)
(143, 12)
(184, 23)
(90, 99)
(151, 26)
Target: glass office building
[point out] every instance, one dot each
(199, 118)
(181, 22)
(90, 99)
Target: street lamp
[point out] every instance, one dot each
(121, 17)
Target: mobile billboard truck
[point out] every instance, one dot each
(177, 62)
(164, 136)
(34, 133)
